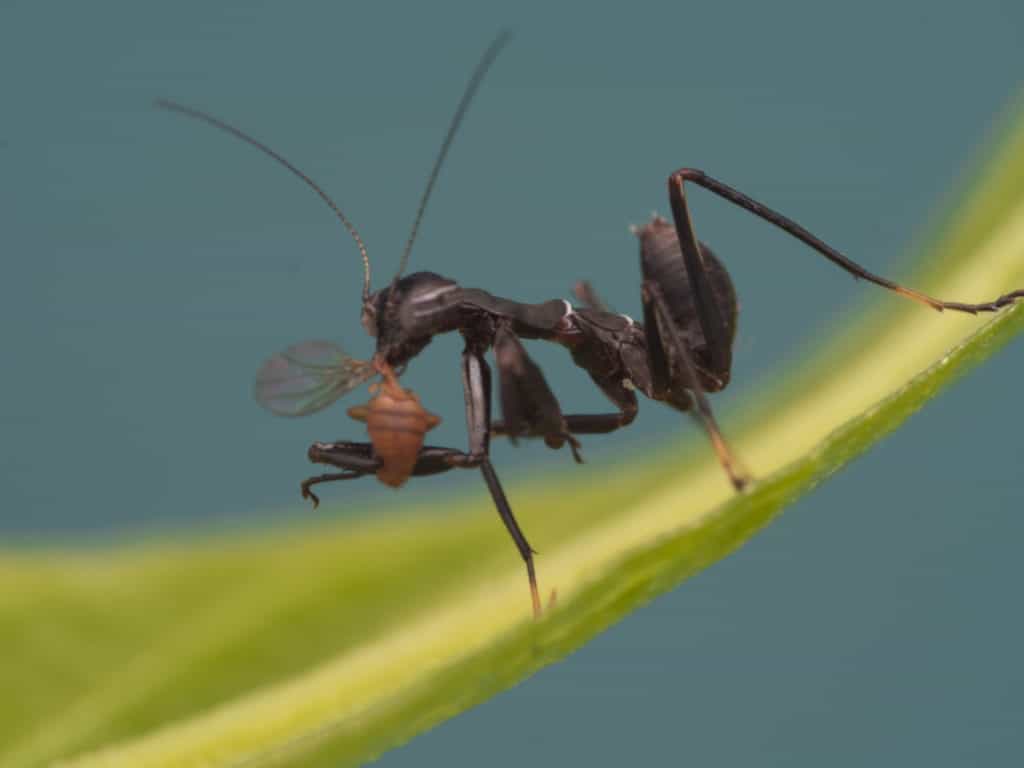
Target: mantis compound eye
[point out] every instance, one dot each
(369, 318)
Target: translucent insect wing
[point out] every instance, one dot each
(307, 377)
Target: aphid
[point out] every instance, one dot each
(681, 352)
(397, 424)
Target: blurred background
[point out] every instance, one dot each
(150, 264)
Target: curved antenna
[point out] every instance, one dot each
(467, 96)
(195, 113)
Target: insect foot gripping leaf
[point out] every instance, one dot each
(309, 647)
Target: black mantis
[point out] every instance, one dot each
(680, 353)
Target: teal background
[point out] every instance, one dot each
(150, 264)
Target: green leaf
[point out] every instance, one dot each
(330, 643)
